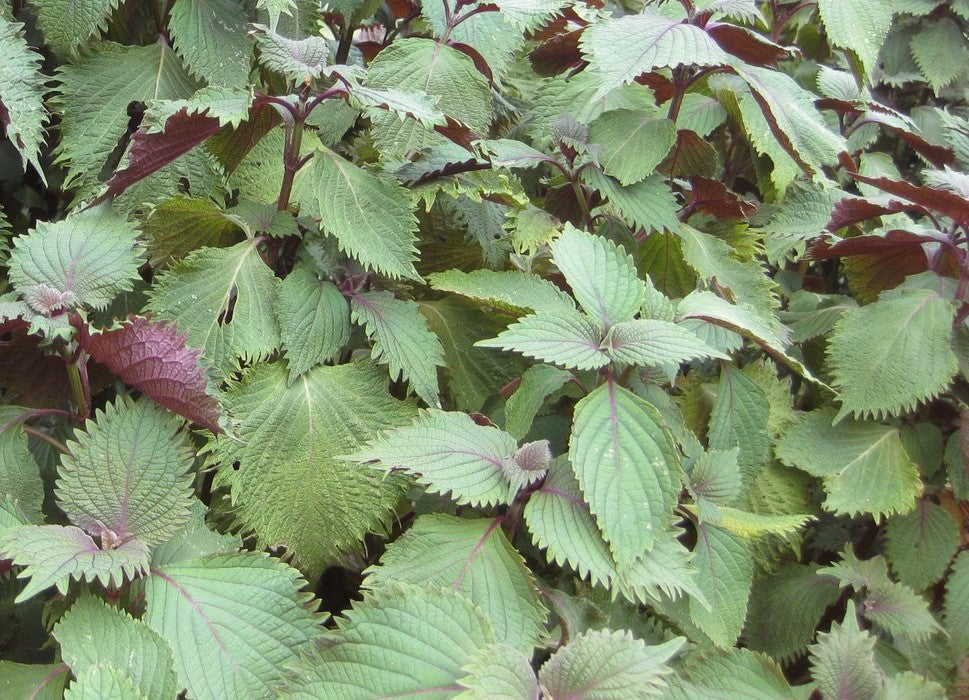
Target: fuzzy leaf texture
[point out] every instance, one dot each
(402, 639)
(232, 621)
(221, 299)
(68, 24)
(628, 468)
(211, 36)
(499, 671)
(370, 215)
(921, 543)
(21, 94)
(401, 340)
(314, 321)
(451, 454)
(127, 473)
(843, 661)
(909, 362)
(84, 260)
(296, 434)
(152, 358)
(474, 558)
(859, 26)
(570, 339)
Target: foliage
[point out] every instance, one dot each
(525, 348)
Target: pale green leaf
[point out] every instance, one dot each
(739, 420)
(667, 569)
(921, 543)
(939, 50)
(53, 555)
(294, 434)
(510, 290)
(232, 622)
(211, 36)
(537, 384)
(314, 321)
(451, 454)
(401, 340)
(728, 674)
(602, 276)
(194, 539)
(609, 665)
(22, 94)
(621, 49)
(69, 24)
(956, 610)
(715, 476)
(486, 32)
(36, 681)
(726, 573)
(20, 480)
(843, 661)
(655, 343)
(864, 466)
(405, 105)
(295, 59)
(911, 686)
(628, 467)
(474, 558)
(631, 144)
(126, 475)
(785, 609)
(92, 99)
(749, 525)
(401, 640)
(178, 226)
(570, 339)
(99, 682)
(86, 259)
(529, 15)
(648, 204)
(275, 8)
(910, 360)
(371, 216)
(857, 25)
(198, 292)
(499, 671)
(133, 648)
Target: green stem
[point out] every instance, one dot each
(77, 389)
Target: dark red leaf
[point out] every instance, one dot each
(692, 156)
(891, 243)
(558, 54)
(479, 61)
(946, 203)
(662, 87)
(152, 358)
(232, 144)
(748, 46)
(852, 210)
(150, 152)
(458, 133)
(713, 197)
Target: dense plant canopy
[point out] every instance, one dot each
(512, 349)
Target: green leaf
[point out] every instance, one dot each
(956, 609)
(97, 682)
(275, 8)
(602, 276)
(537, 384)
(655, 343)
(222, 299)
(474, 558)
(232, 622)
(921, 543)
(22, 94)
(314, 321)
(726, 572)
(86, 259)
(739, 421)
(451, 454)
(53, 555)
(37, 681)
(133, 649)
(402, 639)
(193, 540)
(93, 95)
(864, 466)
(570, 339)
(843, 661)
(126, 475)
(294, 434)
(939, 50)
(404, 105)
(731, 673)
(509, 290)
(178, 226)
(667, 569)
(631, 143)
(499, 671)
(211, 36)
(371, 216)
(67, 25)
(628, 467)
(785, 609)
(908, 362)
(401, 340)
(295, 59)
(609, 665)
(648, 204)
(715, 476)
(20, 480)
(859, 26)
(620, 49)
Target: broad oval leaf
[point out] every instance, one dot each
(314, 321)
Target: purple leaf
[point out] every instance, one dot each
(152, 358)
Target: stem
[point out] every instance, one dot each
(52, 441)
(81, 397)
(346, 43)
(583, 204)
(30, 415)
(292, 162)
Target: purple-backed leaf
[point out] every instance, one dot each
(946, 203)
(152, 357)
(747, 45)
(558, 54)
(853, 210)
(892, 243)
(479, 61)
(691, 156)
(713, 197)
(151, 151)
